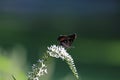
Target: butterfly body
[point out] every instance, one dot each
(66, 40)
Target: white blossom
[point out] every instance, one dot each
(53, 51)
(37, 71)
(36, 78)
(60, 52)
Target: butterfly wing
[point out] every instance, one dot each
(62, 38)
(71, 38)
(65, 40)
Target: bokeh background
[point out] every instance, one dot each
(28, 27)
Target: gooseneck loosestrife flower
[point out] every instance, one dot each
(56, 52)
(38, 71)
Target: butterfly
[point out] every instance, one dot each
(66, 40)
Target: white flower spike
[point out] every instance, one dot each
(53, 51)
(37, 71)
(60, 52)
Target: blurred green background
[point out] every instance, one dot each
(28, 27)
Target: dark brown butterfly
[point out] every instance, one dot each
(66, 40)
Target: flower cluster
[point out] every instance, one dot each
(60, 52)
(57, 52)
(37, 71)
(53, 51)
